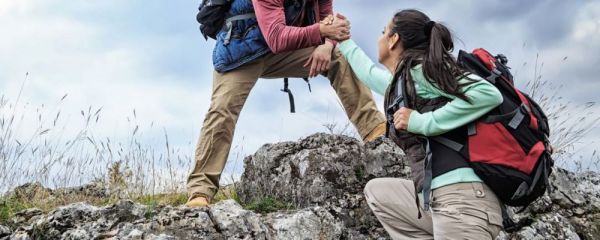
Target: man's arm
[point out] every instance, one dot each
(325, 10)
(280, 37)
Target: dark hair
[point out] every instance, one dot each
(430, 44)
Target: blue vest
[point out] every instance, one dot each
(241, 41)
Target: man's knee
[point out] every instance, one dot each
(337, 59)
(226, 104)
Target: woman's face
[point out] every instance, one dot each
(389, 47)
(383, 42)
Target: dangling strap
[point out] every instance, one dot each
(418, 204)
(427, 177)
(307, 82)
(509, 225)
(290, 95)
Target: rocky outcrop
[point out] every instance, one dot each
(322, 177)
(570, 211)
(324, 170)
(35, 190)
(319, 169)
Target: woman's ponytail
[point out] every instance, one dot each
(428, 43)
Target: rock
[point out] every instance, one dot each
(588, 227)
(26, 215)
(303, 224)
(322, 176)
(75, 234)
(96, 189)
(549, 226)
(234, 222)
(31, 191)
(20, 235)
(589, 186)
(324, 170)
(318, 169)
(565, 193)
(182, 223)
(4, 231)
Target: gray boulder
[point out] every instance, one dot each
(319, 169)
(4, 232)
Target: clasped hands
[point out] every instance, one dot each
(335, 28)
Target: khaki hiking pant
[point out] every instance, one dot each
(458, 211)
(231, 89)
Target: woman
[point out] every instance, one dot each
(440, 99)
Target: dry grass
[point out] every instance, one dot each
(40, 145)
(569, 122)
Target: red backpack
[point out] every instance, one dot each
(508, 148)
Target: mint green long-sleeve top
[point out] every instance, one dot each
(482, 94)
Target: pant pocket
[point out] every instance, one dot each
(489, 220)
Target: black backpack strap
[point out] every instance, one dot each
(516, 117)
(509, 225)
(308, 82)
(448, 143)
(472, 129)
(229, 24)
(215, 2)
(428, 175)
(397, 102)
(289, 92)
(290, 95)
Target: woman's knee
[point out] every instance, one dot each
(371, 188)
(383, 187)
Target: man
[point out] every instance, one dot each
(288, 42)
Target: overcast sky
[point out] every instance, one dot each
(149, 55)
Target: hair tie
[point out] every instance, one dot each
(429, 27)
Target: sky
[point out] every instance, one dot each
(150, 56)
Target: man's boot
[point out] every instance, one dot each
(377, 132)
(197, 202)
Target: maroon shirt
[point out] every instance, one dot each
(281, 37)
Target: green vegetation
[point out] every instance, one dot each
(268, 205)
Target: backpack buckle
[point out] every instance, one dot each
(495, 74)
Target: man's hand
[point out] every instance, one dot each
(320, 59)
(401, 118)
(328, 20)
(337, 28)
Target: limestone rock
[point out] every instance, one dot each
(322, 176)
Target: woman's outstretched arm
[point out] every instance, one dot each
(376, 78)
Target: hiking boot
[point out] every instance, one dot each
(377, 132)
(197, 202)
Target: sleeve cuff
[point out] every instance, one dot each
(415, 122)
(345, 45)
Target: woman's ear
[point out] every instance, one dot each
(393, 41)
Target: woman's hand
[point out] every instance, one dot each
(335, 27)
(320, 59)
(401, 118)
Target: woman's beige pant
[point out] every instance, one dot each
(458, 211)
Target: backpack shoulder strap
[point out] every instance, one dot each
(229, 24)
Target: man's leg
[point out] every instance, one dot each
(392, 200)
(229, 94)
(354, 95)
